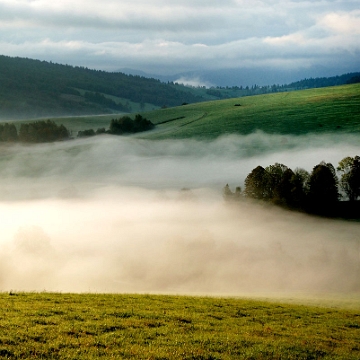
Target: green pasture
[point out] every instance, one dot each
(324, 110)
(89, 326)
(332, 109)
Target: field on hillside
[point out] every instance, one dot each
(84, 326)
(332, 109)
(324, 110)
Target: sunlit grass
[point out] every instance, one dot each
(85, 326)
(332, 109)
(324, 110)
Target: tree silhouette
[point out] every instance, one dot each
(8, 132)
(299, 188)
(229, 195)
(125, 125)
(42, 131)
(349, 167)
(284, 189)
(323, 191)
(316, 193)
(257, 184)
(275, 181)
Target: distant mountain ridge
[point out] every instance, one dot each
(33, 88)
(249, 77)
(37, 89)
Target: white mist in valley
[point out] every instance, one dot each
(120, 214)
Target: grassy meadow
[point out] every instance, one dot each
(324, 110)
(332, 109)
(89, 326)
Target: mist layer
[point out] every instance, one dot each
(125, 215)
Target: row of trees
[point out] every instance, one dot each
(239, 91)
(123, 125)
(317, 192)
(8, 133)
(49, 131)
(34, 132)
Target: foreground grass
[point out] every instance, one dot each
(85, 326)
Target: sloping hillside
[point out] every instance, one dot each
(33, 88)
(326, 110)
(331, 109)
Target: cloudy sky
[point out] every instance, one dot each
(167, 36)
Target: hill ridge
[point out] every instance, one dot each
(33, 88)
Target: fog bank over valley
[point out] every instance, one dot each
(120, 214)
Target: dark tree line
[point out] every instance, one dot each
(42, 131)
(91, 132)
(122, 126)
(125, 125)
(49, 131)
(316, 192)
(239, 91)
(34, 132)
(8, 133)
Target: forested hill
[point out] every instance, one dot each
(350, 78)
(33, 88)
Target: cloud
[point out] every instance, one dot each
(108, 215)
(342, 23)
(134, 240)
(169, 164)
(120, 214)
(190, 35)
(138, 16)
(195, 81)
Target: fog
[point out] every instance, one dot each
(120, 214)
